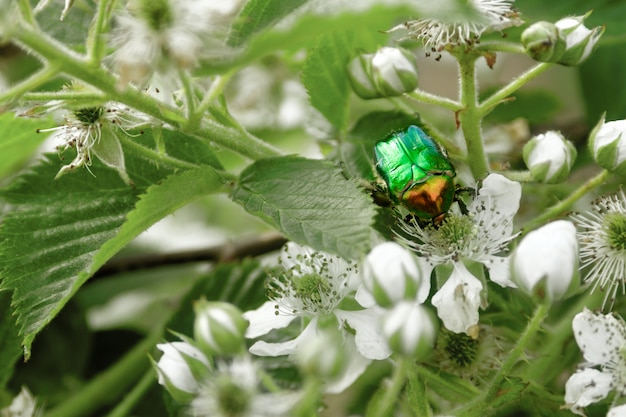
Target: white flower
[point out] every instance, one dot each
(93, 130)
(218, 327)
(549, 157)
(233, 390)
(157, 34)
(479, 237)
(180, 367)
(23, 405)
(546, 261)
(392, 274)
(311, 288)
(602, 340)
(602, 238)
(619, 411)
(607, 142)
(410, 330)
(487, 16)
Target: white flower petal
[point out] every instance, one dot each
(367, 324)
(500, 194)
(619, 411)
(364, 297)
(264, 319)
(600, 337)
(355, 366)
(586, 387)
(499, 272)
(262, 348)
(458, 300)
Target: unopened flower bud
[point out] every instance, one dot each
(545, 264)
(566, 42)
(387, 73)
(542, 42)
(219, 327)
(549, 157)
(391, 274)
(607, 142)
(180, 369)
(410, 330)
(580, 41)
(323, 356)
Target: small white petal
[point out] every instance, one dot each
(264, 319)
(499, 272)
(600, 337)
(367, 324)
(619, 411)
(458, 300)
(501, 195)
(355, 366)
(586, 387)
(262, 348)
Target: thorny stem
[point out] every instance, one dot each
(564, 205)
(37, 79)
(73, 64)
(496, 98)
(95, 44)
(470, 116)
(430, 98)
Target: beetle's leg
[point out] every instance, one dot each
(460, 190)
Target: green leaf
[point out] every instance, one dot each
(310, 202)
(10, 349)
(325, 79)
(18, 141)
(60, 232)
(538, 106)
(257, 15)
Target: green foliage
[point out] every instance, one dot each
(257, 15)
(537, 107)
(18, 141)
(295, 195)
(9, 340)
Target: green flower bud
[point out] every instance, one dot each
(180, 369)
(608, 145)
(323, 356)
(549, 157)
(545, 264)
(387, 73)
(219, 327)
(410, 330)
(580, 40)
(391, 274)
(542, 43)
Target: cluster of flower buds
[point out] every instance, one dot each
(396, 281)
(566, 42)
(218, 330)
(549, 157)
(389, 72)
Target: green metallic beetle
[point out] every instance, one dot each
(417, 172)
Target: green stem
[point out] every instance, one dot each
(470, 116)
(65, 96)
(131, 399)
(496, 98)
(429, 98)
(519, 176)
(110, 384)
(74, 65)
(95, 42)
(564, 205)
(393, 390)
(477, 408)
(27, 12)
(154, 155)
(416, 394)
(456, 388)
(500, 46)
(190, 99)
(217, 86)
(31, 83)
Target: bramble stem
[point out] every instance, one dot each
(564, 205)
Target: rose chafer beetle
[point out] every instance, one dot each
(417, 172)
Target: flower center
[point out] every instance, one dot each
(89, 115)
(615, 226)
(451, 238)
(311, 287)
(157, 14)
(233, 400)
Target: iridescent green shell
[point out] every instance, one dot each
(418, 174)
